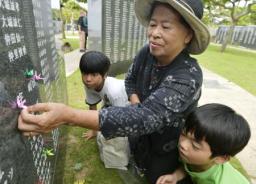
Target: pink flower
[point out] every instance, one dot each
(37, 77)
(19, 103)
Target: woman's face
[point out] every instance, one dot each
(167, 35)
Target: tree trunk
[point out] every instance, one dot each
(72, 24)
(63, 24)
(228, 37)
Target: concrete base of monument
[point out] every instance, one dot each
(72, 60)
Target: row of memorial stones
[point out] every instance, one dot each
(243, 35)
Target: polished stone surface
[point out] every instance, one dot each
(31, 71)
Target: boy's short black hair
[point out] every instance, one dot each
(226, 132)
(94, 62)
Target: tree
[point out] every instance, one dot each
(234, 10)
(61, 17)
(55, 14)
(72, 5)
(69, 11)
(83, 1)
(253, 15)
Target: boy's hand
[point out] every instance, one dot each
(173, 178)
(167, 179)
(89, 134)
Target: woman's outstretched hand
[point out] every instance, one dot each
(41, 118)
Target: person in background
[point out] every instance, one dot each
(94, 68)
(163, 84)
(83, 30)
(212, 134)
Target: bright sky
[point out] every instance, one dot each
(55, 4)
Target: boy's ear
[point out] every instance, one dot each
(221, 159)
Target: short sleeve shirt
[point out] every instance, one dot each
(80, 23)
(218, 174)
(112, 94)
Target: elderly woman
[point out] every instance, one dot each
(163, 84)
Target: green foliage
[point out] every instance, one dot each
(214, 15)
(236, 10)
(84, 1)
(72, 5)
(64, 1)
(70, 15)
(250, 19)
(253, 15)
(245, 21)
(70, 11)
(225, 12)
(74, 42)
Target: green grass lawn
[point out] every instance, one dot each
(73, 39)
(236, 65)
(79, 161)
(74, 42)
(71, 34)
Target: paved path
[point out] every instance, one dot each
(215, 90)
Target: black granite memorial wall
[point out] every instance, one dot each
(31, 71)
(123, 36)
(115, 30)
